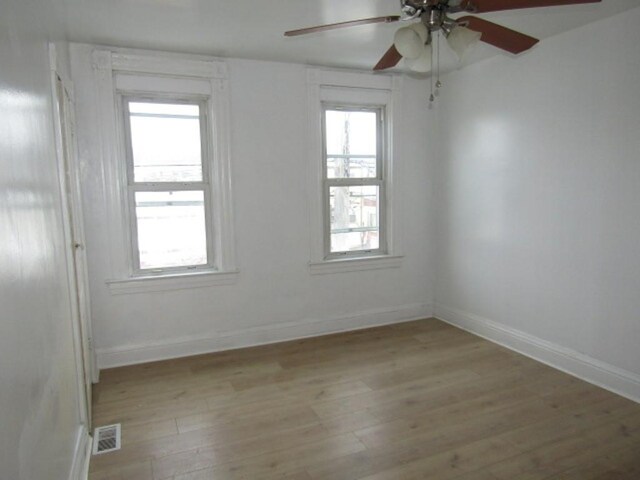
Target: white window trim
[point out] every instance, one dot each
(170, 282)
(358, 89)
(205, 73)
(357, 264)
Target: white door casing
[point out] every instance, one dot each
(68, 173)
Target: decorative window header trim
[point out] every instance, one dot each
(119, 61)
(337, 78)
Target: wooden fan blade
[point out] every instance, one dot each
(333, 26)
(482, 6)
(499, 36)
(389, 59)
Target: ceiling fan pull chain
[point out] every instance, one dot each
(432, 97)
(438, 82)
(436, 41)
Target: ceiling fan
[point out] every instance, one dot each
(414, 42)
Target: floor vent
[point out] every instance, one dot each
(106, 439)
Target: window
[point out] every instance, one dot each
(168, 185)
(353, 171)
(163, 129)
(353, 152)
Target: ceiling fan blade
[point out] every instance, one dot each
(482, 6)
(499, 36)
(389, 59)
(333, 26)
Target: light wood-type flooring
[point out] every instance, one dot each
(419, 400)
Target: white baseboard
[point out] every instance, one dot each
(594, 371)
(81, 456)
(186, 346)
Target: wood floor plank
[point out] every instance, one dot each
(474, 422)
(137, 416)
(450, 464)
(400, 402)
(386, 452)
(283, 394)
(151, 393)
(509, 382)
(403, 392)
(148, 431)
(618, 465)
(396, 376)
(261, 419)
(276, 463)
(128, 471)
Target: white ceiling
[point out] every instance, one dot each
(254, 28)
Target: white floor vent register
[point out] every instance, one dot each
(106, 439)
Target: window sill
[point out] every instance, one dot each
(355, 264)
(170, 282)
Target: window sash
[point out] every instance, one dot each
(379, 111)
(378, 180)
(328, 183)
(133, 186)
(204, 154)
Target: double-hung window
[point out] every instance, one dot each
(352, 171)
(163, 129)
(168, 182)
(353, 180)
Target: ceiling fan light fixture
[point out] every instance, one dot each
(409, 41)
(462, 39)
(423, 63)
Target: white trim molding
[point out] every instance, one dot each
(281, 332)
(81, 456)
(362, 89)
(165, 283)
(119, 72)
(167, 64)
(355, 264)
(579, 365)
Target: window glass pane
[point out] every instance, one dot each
(351, 143)
(171, 229)
(165, 142)
(355, 218)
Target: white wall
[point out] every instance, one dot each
(538, 196)
(275, 297)
(38, 396)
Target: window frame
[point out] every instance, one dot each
(133, 187)
(120, 71)
(378, 180)
(360, 88)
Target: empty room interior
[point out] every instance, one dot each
(319, 240)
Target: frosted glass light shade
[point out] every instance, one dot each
(422, 64)
(409, 41)
(461, 39)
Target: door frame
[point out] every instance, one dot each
(75, 253)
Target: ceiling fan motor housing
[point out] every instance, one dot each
(433, 13)
(413, 8)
